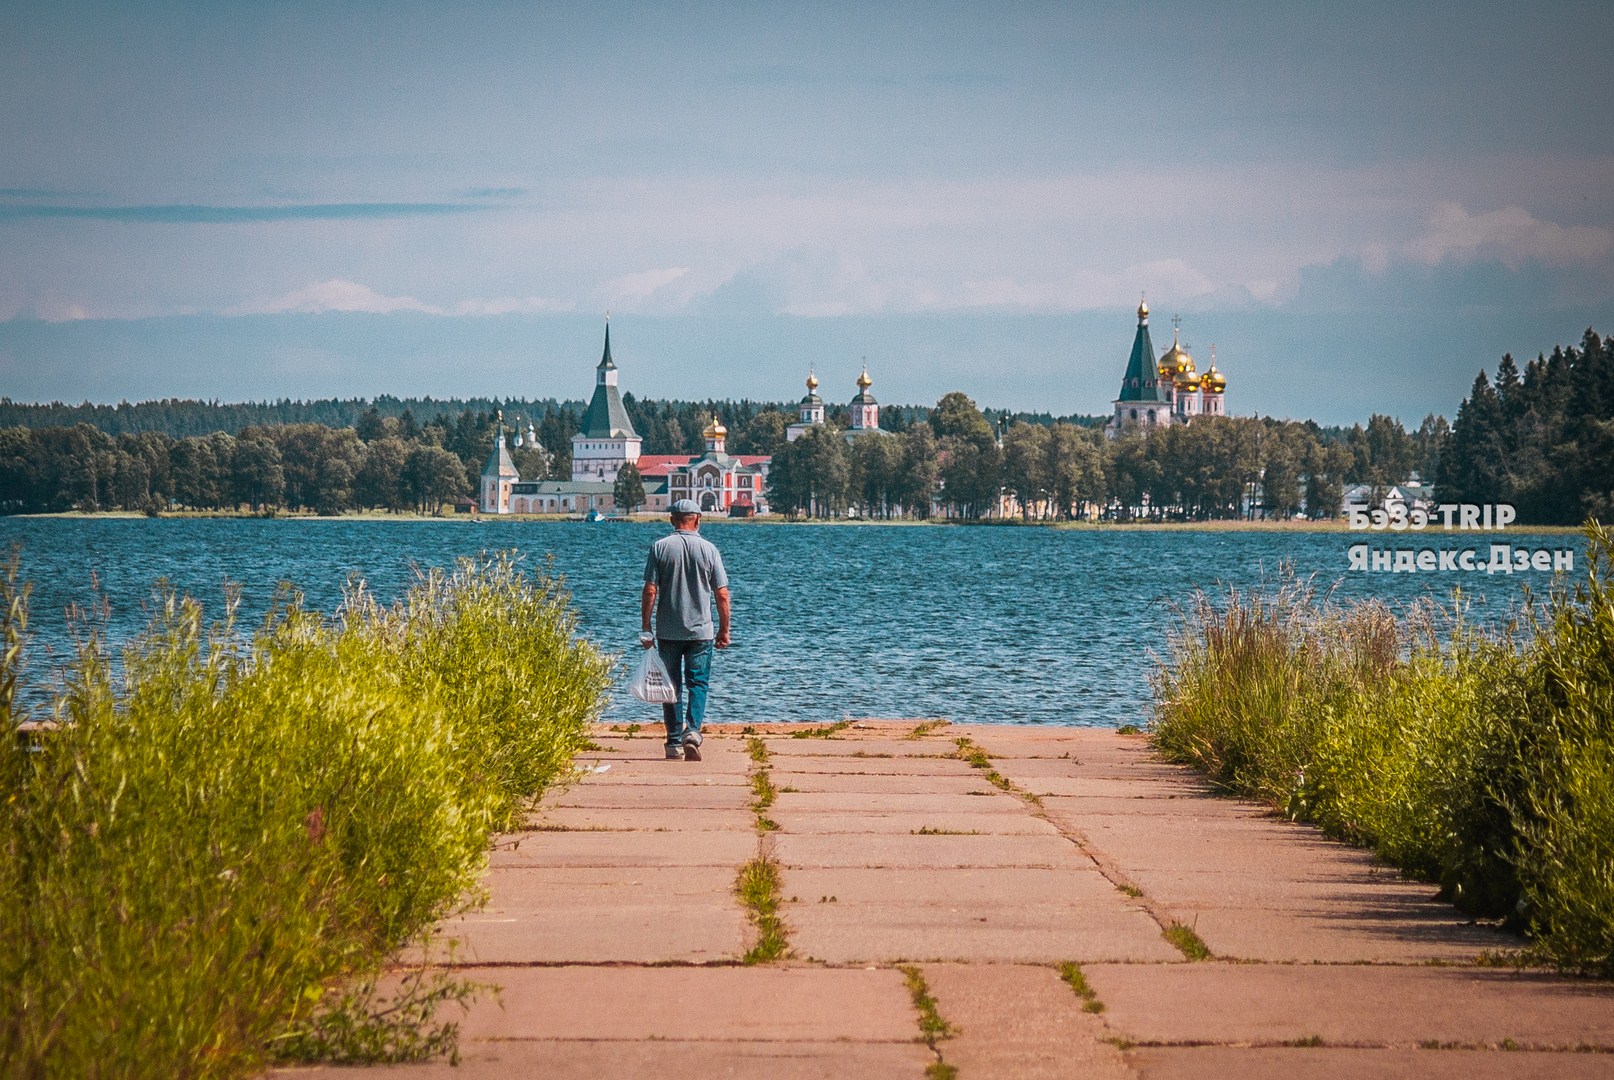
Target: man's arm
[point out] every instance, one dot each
(722, 641)
(647, 604)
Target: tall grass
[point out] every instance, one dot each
(1484, 762)
(227, 831)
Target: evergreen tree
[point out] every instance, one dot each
(628, 492)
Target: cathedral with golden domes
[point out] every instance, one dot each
(1169, 390)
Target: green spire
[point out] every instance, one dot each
(1142, 379)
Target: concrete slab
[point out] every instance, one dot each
(878, 823)
(896, 802)
(1084, 783)
(1331, 1063)
(842, 746)
(874, 766)
(1355, 1005)
(690, 795)
(1021, 1022)
(727, 848)
(907, 850)
(785, 1003)
(1181, 804)
(640, 819)
(572, 915)
(845, 933)
(665, 1059)
(1193, 840)
(638, 933)
(1042, 889)
(924, 783)
(1343, 934)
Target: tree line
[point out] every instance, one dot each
(958, 462)
(1542, 440)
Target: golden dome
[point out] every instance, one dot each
(715, 430)
(812, 381)
(1176, 362)
(1213, 380)
(1143, 311)
(1188, 381)
(863, 380)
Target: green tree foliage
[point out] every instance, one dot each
(812, 475)
(1542, 440)
(876, 474)
(433, 476)
(1026, 466)
(628, 493)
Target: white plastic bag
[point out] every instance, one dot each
(650, 681)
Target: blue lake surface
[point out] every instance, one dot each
(980, 625)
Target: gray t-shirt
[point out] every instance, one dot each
(686, 570)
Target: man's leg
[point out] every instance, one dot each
(672, 657)
(697, 676)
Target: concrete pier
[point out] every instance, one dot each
(616, 934)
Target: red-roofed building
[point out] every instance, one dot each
(719, 482)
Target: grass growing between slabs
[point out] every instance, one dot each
(1484, 762)
(933, 1028)
(204, 866)
(1072, 973)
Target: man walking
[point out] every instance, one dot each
(682, 576)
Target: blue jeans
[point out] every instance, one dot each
(690, 665)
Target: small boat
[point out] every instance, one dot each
(594, 515)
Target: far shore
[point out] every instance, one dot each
(1331, 525)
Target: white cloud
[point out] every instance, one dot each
(1512, 236)
(350, 296)
(333, 295)
(638, 286)
(512, 305)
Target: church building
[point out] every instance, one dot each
(864, 411)
(718, 482)
(1158, 393)
(606, 441)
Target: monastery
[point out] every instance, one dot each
(1155, 393)
(720, 482)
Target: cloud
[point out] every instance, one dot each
(1511, 236)
(639, 285)
(333, 295)
(191, 214)
(511, 305)
(350, 296)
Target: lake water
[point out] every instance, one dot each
(981, 625)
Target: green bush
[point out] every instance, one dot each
(497, 648)
(1485, 763)
(226, 833)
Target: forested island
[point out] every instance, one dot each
(1542, 439)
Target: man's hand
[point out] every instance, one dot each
(647, 604)
(722, 639)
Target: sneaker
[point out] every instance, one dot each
(674, 753)
(692, 752)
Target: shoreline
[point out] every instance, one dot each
(1214, 525)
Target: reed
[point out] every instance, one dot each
(228, 831)
(1479, 761)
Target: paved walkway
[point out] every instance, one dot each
(1063, 856)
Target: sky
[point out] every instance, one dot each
(1358, 205)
